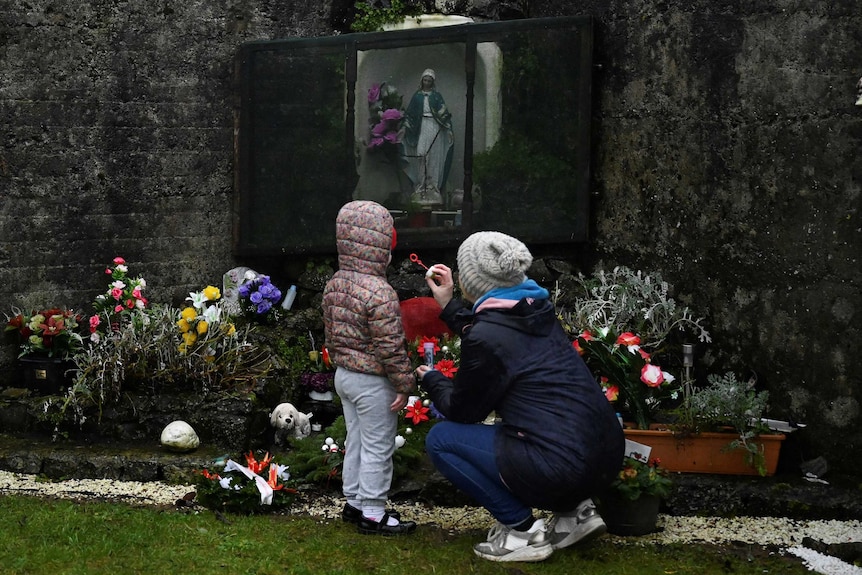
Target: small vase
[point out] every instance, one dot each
(626, 517)
(46, 375)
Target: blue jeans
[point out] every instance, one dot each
(464, 454)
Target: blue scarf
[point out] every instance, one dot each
(528, 289)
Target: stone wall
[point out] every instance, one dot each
(725, 145)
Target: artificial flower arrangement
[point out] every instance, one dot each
(320, 463)
(50, 332)
(639, 478)
(202, 322)
(136, 346)
(623, 323)
(318, 381)
(627, 373)
(259, 486)
(384, 117)
(259, 298)
(123, 297)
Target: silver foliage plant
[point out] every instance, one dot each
(626, 300)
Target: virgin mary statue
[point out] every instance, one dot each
(428, 141)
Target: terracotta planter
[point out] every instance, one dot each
(626, 517)
(46, 375)
(706, 452)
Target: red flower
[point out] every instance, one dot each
(417, 412)
(628, 339)
(577, 345)
(257, 466)
(612, 392)
(425, 340)
(273, 478)
(446, 367)
(586, 335)
(327, 361)
(652, 375)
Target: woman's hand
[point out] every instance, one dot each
(439, 279)
(421, 371)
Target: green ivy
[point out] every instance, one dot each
(371, 19)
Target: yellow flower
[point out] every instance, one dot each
(189, 314)
(203, 326)
(190, 338)
(228, 329)
(184, 325)
(183, 348)
(212, 293)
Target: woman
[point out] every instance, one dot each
(559, 443)
(428, 141)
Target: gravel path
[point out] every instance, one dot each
(786, 534)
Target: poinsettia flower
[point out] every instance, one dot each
(424, 340)
(652, 375)
(446, 367)
(417, 412)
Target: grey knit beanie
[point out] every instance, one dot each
(488, 260)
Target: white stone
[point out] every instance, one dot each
(179, 436)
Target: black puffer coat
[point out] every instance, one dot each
(560, 441)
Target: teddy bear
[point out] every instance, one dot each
(287, 420)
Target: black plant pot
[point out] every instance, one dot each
(46, 375)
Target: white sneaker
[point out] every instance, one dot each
(506, 544)
(582, 525)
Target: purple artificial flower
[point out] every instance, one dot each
(379, 129)
(392, 114)
(256, 298)
(375, 143)
(244, 289)
(391, 137)
(264, 307)
(374, 93)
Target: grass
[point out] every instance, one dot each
(59, 536)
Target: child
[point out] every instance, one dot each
(366, 343)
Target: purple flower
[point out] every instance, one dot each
(378, 130)
(375, 143)
(373, 93)
(392, 114)
(264, 306)
(391, 137)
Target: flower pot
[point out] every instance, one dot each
(46, 375)
(706, 452)
(626, 517)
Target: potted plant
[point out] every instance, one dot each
(719, 429)
(48, 340)
(631, 505)
(626, 325)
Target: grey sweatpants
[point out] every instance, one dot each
(371, 429)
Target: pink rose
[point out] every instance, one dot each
(116, 293)
(118, 260)
(94, 323)
(652, 375)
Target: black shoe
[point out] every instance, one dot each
(351, 514)
(369, 527)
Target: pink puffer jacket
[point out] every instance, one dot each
(361, 312)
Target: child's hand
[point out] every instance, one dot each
(421, 371)
(399, 403)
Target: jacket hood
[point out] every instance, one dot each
(363, 236)
(536, 318)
